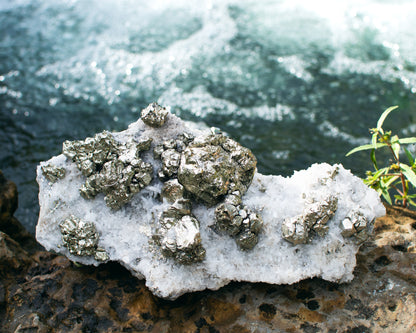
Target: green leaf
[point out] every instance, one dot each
(373, 158)
(409, 173)
(407, 140)
(365, 147)
(412, 202)
(391, 181)
(395, 145)
(409, 156)
(386, 196)
(374, 139)
(384, 116)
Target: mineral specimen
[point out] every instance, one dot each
(112, 168)
(52, 172)
(209, 218)
(239, 222)
(214, 165)
(299, 229)
(81, 238)
(154, 115)
(355, 224)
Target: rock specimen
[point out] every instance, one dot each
(43, 292)
(110, 167)
(298, 229)
(186, 210)
(81, 238)
(154, 115)
(53, 173)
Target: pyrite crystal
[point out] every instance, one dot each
(52, 172)
(172, 190)
(214, 165)
(112, 168)
(355, 224)
(301, 228)
(182, 241)
(81, 238)
(179, 235)
(239, 222)
(154, 115)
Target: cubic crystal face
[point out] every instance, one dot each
(172, 190)
(181, 240)
(355, 224)
(207, 218)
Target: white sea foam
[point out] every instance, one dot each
(346, 31)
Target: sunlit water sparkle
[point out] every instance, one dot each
(298, 82)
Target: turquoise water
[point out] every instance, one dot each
(298, 82)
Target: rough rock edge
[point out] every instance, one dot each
(209, 278)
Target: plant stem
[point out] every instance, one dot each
(402, 193)
(398, 190)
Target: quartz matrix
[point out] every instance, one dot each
(186, 209)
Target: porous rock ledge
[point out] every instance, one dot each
(312, 223)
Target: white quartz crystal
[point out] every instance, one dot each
(127, 235)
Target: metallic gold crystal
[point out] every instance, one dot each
(154, 115)
(112, 168)
(301, 228)
(81, 238)
(52, 172)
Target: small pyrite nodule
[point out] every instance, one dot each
(81, 238)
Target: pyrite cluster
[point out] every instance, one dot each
(81, 238)
(53, 173)
(154, 115)
(178, 231)
(112, 168)
(213, 166)
(238, 221)
(301, 228)
(211, 169)
(355, 224)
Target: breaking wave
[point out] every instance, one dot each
(298, 82)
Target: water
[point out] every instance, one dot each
(298, 82)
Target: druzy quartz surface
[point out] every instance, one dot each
(186, 209)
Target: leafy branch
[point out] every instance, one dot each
(396, 175)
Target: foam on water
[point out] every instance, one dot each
(296, 81)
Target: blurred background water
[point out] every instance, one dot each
(296, 81)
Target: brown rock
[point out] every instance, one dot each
(8, 224)
(31, 322)
(8, 198)
(222, 313)
(13, 259)
(43, 292)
